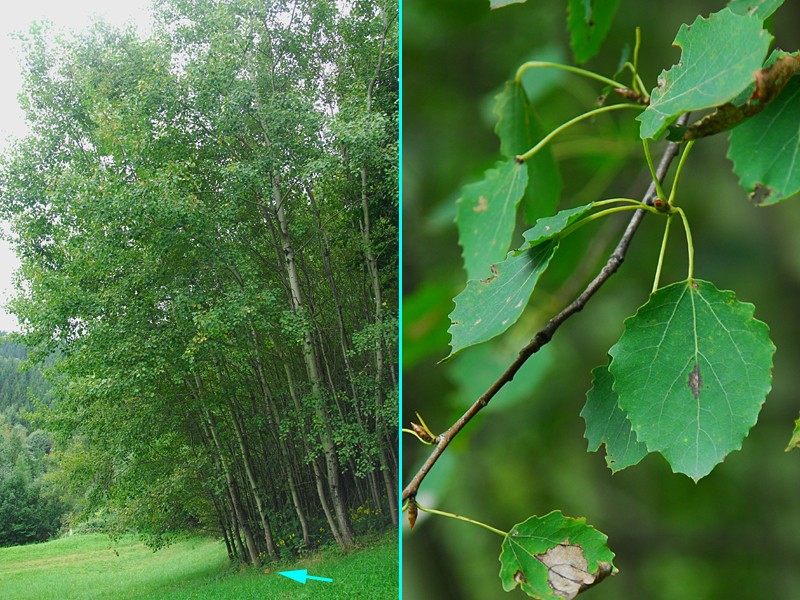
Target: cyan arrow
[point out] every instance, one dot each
(301, 576)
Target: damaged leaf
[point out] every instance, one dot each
(487, 307)
(486, 215)
(760, 9)
(554, 557)
(692, 369)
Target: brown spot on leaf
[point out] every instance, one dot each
(483, 205)
(492, 276)
(519, 577)
(695, 381)
(761, 193)
(568, 571)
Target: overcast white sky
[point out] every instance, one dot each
(17, 16)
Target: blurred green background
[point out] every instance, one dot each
(735, 534)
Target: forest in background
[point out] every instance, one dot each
(206, 220)
(30, 509)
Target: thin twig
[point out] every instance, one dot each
(544, 335)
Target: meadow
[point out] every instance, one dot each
(92, 567)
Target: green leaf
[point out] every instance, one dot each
(549, 227)
(487, 307)
(493, 4)
(764, 149)
(760, 9)
(519, 130)
(607, 423)
(486, 216)
(588, 22)
(718, 58)
(515, 126)
(692, 370)
(554, 557)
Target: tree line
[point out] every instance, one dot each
(30, 508)
(207, 225)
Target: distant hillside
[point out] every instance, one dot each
(18, 387)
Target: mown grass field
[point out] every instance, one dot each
(89, 567)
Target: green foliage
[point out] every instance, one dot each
(608, 424)
(519, 129)
(554, 557)
(487, 212)
(22, 385)
(30, 508)
(487, 307)
(771, 174)
(761, 9)
(718, 58)
(588, 23)
(167, 185)
(692, 370)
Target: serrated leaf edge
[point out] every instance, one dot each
(751, 308)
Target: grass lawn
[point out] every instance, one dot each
(89, 567)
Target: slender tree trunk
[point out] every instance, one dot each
(223, 526)
(260, 371)
(310, 357)
(318, 476)
(266, 529)
(234, 491)
(298, 508)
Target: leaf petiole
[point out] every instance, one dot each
(656, 180)
(662, 253)
(638, 84)
(570, 123)
(442, 513)
(606, 212)
(679, 170)
(577, 70)
(689, 243)
(619, 201)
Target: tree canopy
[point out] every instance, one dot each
(206, 221)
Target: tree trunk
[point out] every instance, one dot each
(234, 491)
(310, 358)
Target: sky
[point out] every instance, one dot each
(17, 17)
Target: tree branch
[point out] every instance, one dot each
(544, 335)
